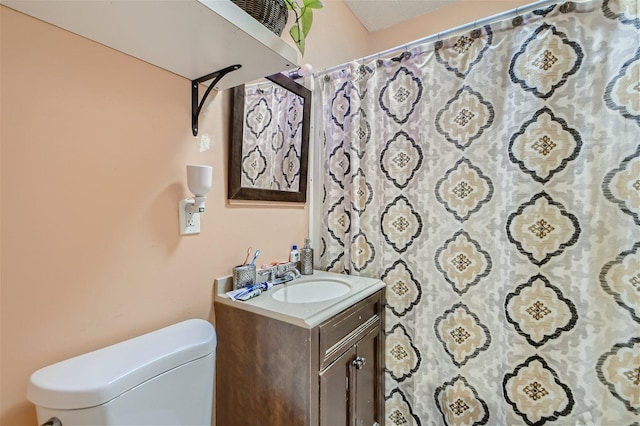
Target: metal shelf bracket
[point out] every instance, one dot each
(196, 105)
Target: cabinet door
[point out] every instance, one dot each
(368, 380)
(334, 391)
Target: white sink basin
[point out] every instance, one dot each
(307, 301)
(312, 291)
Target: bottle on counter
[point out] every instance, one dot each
(306, 258)
(294, 256)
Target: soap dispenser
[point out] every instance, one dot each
(306, 258)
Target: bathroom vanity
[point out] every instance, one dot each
(284, 360)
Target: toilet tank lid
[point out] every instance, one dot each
(97, 377)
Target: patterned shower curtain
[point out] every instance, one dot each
(492, 181)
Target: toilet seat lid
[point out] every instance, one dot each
(97, 377)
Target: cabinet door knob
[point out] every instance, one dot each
(359, 362)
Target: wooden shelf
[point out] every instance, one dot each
(191, 38)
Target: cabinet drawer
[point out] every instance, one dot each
(342, 331)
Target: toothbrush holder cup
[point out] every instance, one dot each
(244, 276)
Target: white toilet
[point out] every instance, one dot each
(162, 378)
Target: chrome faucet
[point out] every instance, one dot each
(288, 269)
(270, 272)
(279, 274)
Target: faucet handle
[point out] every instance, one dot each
(290, 267)
(281, 268)
(270, 271)
(287, 266)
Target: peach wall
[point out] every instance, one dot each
(336, 37)
(94, 148)
(93, 151)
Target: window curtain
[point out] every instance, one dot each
(272, 138)
(492, 181)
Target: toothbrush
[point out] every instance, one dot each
(255, 256)
(247, 258)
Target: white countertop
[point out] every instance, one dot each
(306, 315)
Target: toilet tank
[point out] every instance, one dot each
(164, 377)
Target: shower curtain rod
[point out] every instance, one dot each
(447, 33)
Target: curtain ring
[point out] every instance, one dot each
(325, 77)
(517, 20)
(362, 68)
(439, 43)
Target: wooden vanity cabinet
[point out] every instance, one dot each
(270, 372)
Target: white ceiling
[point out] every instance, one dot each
(379, 14)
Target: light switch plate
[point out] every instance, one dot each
(189, 223)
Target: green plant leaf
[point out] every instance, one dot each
(301, 45)
(292, 4)
(306, 20)
(298, 37)
(313, 4)
(294, 31)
